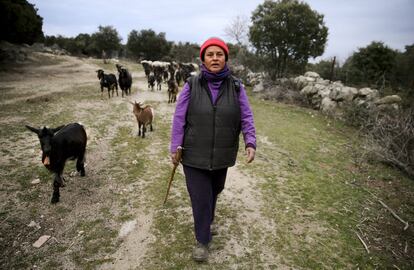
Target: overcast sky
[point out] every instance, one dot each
(352, 23)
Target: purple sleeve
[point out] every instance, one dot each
(247, 122)
(177, 131)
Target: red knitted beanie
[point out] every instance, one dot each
(214, 41)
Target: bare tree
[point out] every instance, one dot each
(237, 29)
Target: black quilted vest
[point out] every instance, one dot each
(211, 138)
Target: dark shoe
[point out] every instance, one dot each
(213, 229)
(200, 253)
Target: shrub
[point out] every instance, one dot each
(283, 90)
(355, 115)
(389, 135)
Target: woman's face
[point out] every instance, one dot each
(214, 58)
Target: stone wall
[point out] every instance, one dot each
(332, 96)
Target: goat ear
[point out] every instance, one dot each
(54, 130)
(35, 130)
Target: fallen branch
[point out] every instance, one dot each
(4, 220)
(395, 215)
(389, 209)
(74, 241)
(362, 241)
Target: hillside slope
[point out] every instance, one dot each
(302, 204)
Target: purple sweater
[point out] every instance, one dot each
(246, 115)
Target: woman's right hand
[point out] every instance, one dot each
(174, 159)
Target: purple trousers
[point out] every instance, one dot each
(203, 187)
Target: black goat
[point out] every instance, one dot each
(186, 69)
(124, 79)
(58, 145)
(147, 65)
(158, 78)
(109, 81)
(172, 90)
(151, 81)
(118, 67)
(178, 77)
(165, 76)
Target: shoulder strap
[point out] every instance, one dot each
(237, 83)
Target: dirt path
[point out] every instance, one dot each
(240, 193)
(135, 234)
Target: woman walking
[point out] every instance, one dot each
(211, 112)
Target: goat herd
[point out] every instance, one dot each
(167, 72)
(69, 141)
(157, 72)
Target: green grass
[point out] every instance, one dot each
(94, 243)
(317, 181)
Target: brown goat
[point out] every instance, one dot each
(172, 90)
(144, 115)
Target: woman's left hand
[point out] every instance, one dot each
(250, 152)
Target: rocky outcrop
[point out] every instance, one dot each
(330, 97)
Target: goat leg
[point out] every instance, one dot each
(139, 129)
(80, 166)
(59, 178)
(56, 185)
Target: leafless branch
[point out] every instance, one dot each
(389, 209)
(363, 243)
(237, 29)
(394, 214)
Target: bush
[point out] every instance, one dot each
(282, 90)
(389, 135)
(355, 115)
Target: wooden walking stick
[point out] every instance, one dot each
(178, 158)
